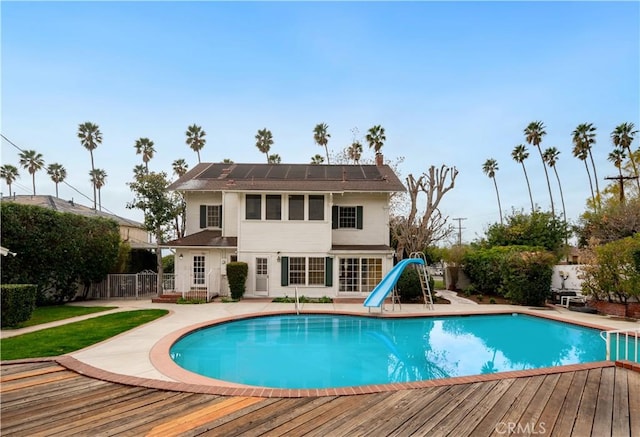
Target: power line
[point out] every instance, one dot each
(64, 182)
(460, 228)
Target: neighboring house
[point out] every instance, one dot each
(323, 229)
(130, 231)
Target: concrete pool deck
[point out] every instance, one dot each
(143, 351)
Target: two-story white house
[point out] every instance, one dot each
(321, 228)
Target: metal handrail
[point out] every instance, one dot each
(634, 333)
(297, 302)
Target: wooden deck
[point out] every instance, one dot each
(45, 399)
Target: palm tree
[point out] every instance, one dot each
(617, 157)
(275, 159)
(490, 167)
(622, 136)
(519, 154)
(9, 173)
(550, 157)
(98, 177)
(355, 151)
(227, 161)
(58, 174)
(90, 137)
(580, 152)
(139, 171)
(32, 162)
(585, 136)
(321, 137)
(376, 138)
(264, 141)
(533, 135)
(317, 159)
(180, 167)
(195, 138)
(144, 147)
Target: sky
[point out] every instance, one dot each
(452, 83)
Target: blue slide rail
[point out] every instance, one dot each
(384, 287)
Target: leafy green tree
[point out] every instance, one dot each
(180, 167)
(550, 157)
(538, 229)
(152, 197)
(375, 138)
(58, 174)
(275, 159)
(490, 167)
(355, 151)
(317, 159)
(196, 138)
(584, 137)
(144, 147)
(264, 141)
(32, 162)
(9, 173)
(321, 137)
(98, 179)
(519, 155)
(622, 137)
(614, 221)
(533, 135)
(90, 137)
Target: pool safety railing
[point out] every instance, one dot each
(630, 338)
(423, 274)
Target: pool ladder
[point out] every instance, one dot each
(423, 274)
(297, 302)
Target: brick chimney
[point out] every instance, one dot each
(379, 159)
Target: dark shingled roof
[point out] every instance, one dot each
(287, 177)
(204, 238)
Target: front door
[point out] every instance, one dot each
(262, 276)
(198, 274)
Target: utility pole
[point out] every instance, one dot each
(620, 180)
(460, 228)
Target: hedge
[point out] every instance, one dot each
(18, 303)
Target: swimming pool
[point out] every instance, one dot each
(322, 351)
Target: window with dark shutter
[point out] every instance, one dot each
(284, 271)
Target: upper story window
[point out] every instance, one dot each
(210, 216)
(347, 217)
(253, 207)
(316, 207)
(296, 207)
(274, 207)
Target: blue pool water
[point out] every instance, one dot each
(322, 351)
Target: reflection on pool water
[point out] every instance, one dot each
(322, 351)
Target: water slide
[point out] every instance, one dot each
(384, 287)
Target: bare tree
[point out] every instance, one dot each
(417, 231)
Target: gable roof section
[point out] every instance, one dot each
(69, 206)
(203, 238)
(287, 177)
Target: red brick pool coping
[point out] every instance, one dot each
(186, 381)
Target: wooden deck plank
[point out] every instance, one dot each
(620, 420)
(480, 409)
(519, 407)
(31, 372)
(429, 410)
(566, 419)
(531, 416)
(9, 369)
(602, 419)
(491, 419)
(85, 406)
(551, 412)
(586, 411)
(37, 380)
(633, 382)
(409, 408)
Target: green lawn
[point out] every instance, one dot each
(74, 336)
(48, 314)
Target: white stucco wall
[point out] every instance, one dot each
(375, 225)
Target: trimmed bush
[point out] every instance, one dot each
(409, 287)
(18, 303)
(237, 275)
(527, 277)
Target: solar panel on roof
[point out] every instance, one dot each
(212, 172)
(316, 172)
(371, 172)
(353, 173)
(297, 172)
(278, 172)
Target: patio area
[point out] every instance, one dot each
(115, 388)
